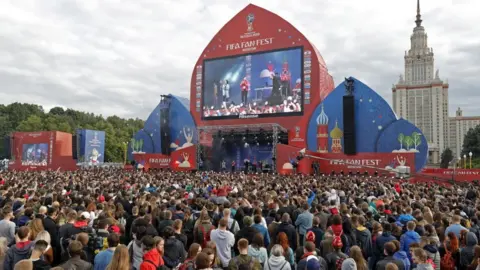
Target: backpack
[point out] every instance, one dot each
(233, 226)
(338, 263)
(188, 265)
(447, 262)
(97, 243)
(249, 264)
(205, 235)
(158, 267)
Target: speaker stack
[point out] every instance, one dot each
(165, 125)
(349, 143)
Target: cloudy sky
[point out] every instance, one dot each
(118, 56)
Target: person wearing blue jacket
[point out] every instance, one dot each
(304, 222)
(257, 219)
(379, 245)
(408, 238)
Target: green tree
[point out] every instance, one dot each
(446, 158)
(417, 139)
(400, 139)
(31, 117)
(471, 142)
(32, 123)
(408, 141)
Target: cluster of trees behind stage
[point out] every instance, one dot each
(31, 117)
(471, 143)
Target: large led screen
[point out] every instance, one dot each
(35, 154)
(254, 85)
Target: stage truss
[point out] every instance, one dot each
(273, 128)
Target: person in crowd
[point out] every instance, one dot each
(300, 252)
(174, 253)
(38, 251)
(135, 249)
(247, 232)
(357, 255)
(20, 250)
(177, 227)
(7, 227)
(433, 254)
(215, 262)
(309, 253)
(420, 260)
(224, 240)
(102, 259)
(304, 222)
(203, 228)
(189, 263)
(120, 259)
(3, 250)
(257, 219)
(256, 249)
(467, 253)
(36, 226)
(24, 265)
(408, 238)
(389, 249)
(75, 249)
(203, 261)
(379, 245)
(315, 228)
(244, 259)
(282, 239)
(455, 227)
(288, 229)
(349, 264)
(337, 255)
(151, 259)
(277, 261)
(48, 252)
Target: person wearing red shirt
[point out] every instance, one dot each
(152, 258)
(245, 87)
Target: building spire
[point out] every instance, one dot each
(418, 21)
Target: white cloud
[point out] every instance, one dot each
(118, 56)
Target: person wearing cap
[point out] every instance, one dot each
(309, 237)
(311, 253)
(75, 250)
(337, 253)
(80, 225)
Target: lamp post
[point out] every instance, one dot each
(460, 162)
(470, 155)
(464, 161)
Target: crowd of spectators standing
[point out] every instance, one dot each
(121, 220)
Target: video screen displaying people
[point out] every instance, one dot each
(35, 154)
(254, 85)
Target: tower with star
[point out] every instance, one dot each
(322, 132)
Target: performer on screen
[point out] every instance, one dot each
(225, 93)
(215, 94)
(276, 96)
(245, 87)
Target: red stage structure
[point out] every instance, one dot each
(44, 150)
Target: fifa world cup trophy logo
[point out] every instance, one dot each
(185, 156)
(250, 19)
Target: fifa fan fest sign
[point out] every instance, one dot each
(252, 45)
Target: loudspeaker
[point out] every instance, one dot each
(74, 147)
(350, 147)
(165, 131)
(7, 147)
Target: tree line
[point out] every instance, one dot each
(471, 143)
(31, 117)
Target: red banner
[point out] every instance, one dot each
(328, 162)
(467, 175)
(184, 159)
(152, 161)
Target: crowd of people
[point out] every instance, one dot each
(120, 220)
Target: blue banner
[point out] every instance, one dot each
(94, 146)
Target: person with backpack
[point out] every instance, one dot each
(336, 257)
(189, 263)
(151, 259)
(75, 249)
(135, 249)
(174, 251)
(38, 251)
(20, 251)
(202, 229)
(389, 249)
(224, 240)
(103, 258)
(277, 261)
(257, 219)
(244, 261)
